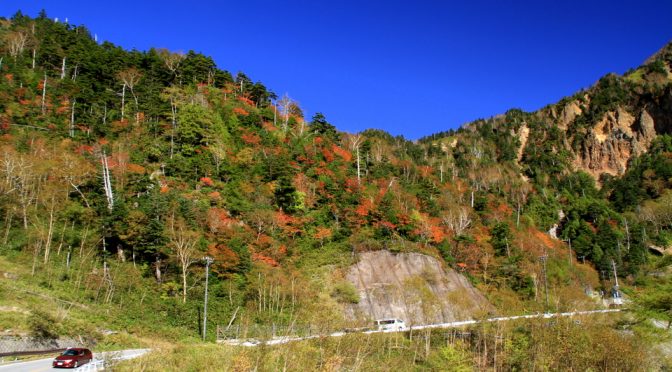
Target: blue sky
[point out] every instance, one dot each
(411, 68)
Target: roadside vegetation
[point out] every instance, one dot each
(121, 170)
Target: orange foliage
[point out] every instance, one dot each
(214, 195)
(267, 125)
(437, 233)
(225, 258)
(246, 101)
(117, 126)
(387, 224)
(545, 239)
(207, 181)
(328, 155)
(84, 149)
(504, 209)
(426, 170)
(164, 189)
(251, 138)
(240, 111)
(218, 219)
(322, 233)
(135, 168)
(258, 257)
(282, 250)
(343, 153)
(351, 184)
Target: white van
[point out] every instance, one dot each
(389, 325)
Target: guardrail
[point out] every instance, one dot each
(19, 346)
(35, 352)
(290, 336)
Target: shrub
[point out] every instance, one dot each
(43, 325)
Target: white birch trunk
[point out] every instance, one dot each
(63, 69)
(72, 118)
(44, 94)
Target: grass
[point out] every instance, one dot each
(583, 343)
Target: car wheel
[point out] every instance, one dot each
(76, 364)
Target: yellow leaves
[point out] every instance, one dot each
(245, 156)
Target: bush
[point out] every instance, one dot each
(43, 326)
(345, 292)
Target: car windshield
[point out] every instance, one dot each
(70, 352)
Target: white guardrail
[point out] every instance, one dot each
(286, 339)
(109, 358)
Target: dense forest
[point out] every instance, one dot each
(120, 170)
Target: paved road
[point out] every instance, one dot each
(97, 364)
(286, 339)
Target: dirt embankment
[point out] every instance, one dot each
(413, 287)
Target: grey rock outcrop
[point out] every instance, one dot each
(413, 287)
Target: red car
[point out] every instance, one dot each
(73, 358)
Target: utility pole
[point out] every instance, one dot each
(543, 268)
(613, 266)
(616, 295)
(208, 261)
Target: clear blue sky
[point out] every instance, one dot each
(408, 67)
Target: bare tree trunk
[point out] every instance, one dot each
(63, 69)
(8, 221)
(34, 52)
(157, 269)
(44, 94)
(72, 118)
(105, 114)
(123, 100)
(627, 233)
(184, 284)
(47, 244)
(518, 216)
(173, 111)
(137, 113)
(359, 169)
(36, 252)
(107, 184)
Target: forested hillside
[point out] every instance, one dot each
(120, 170)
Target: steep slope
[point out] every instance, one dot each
(413, 287)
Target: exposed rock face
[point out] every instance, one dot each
(614, 140)
(413, 287)
(569, 113)
(523, 134)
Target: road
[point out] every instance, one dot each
(97, 364)
(286, 339)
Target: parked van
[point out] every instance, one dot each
(388, 325)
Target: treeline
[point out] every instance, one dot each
(157, 158)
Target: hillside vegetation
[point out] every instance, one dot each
(120, 170)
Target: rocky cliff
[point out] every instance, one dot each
(413, 287)
(616, 138)
(607, 125)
